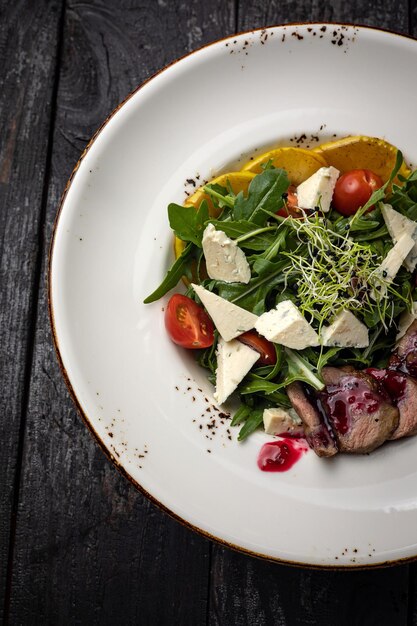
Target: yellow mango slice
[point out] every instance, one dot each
(361, 152)
(238, 181)
(299, 163)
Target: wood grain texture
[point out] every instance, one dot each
(89, 548)
(28, 49)
(390, 14)
(250, 591)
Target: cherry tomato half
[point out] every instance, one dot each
(187, 324)
(354, 189)
(265, 348)
(290, 207)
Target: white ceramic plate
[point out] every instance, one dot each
(145, 399)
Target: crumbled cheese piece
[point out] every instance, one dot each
(234, 360)
(278, 420)
(285, 325)
(318, 189)
(346, 331)
(394, 259)
(229, 319)
(405, 321)
(224, 259)
(399, 225)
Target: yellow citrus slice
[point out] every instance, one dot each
(238, 181)
(299, 163)
(361, 152)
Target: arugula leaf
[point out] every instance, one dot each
(254, 420)
(280, 240)
(404, 199)
(174, 274)
(277, 398)
(364, 223)
(207, 358)
(252, 296)
(187, 223)
(246, 235)
(220, 196)
(327, 356)
(376, 234)
(269, 372)
(264, 194)
(300, 369)
(260, 384)
(263, 267)
(241, 414)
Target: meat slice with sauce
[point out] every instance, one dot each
(402, 389)
(405, 356)
(362, 417)
(317, 434)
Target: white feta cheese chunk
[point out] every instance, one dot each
(318, 189)
(389, 267)
(346, 331)
(229, 319)
(399, 225)
(286, 325)
(224, 259)
(405, 321)
(234, 360)
(278, 421)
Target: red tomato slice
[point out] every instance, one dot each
(290, 207)
(187, 324)
(354, 189)
(265, 348)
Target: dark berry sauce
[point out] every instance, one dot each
(280, 456)
(322, 436)
(407, 361)
(351, 395)
(392, 382)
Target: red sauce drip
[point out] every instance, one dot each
(320, 438)
(296, 434)
(280, 456)
(352, 395)
(408, 361)
(392, 382)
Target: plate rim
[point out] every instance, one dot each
(110, 457)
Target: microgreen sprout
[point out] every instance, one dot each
(331, 271)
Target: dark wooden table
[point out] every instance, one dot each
(78, 544)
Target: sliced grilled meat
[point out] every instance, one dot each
(361, 417)
(402, 390)
(405, 356)
(319, 438)
(407, 406)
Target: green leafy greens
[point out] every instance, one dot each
(322, 262)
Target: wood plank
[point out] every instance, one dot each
(89, 548)
(249, 591)
(28, 49)
(391, 14)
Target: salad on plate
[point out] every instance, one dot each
(300, 274)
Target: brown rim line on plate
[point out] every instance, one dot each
(84, 416)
